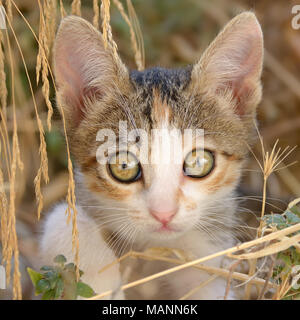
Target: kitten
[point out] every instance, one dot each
(183, 205)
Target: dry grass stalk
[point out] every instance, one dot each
(5, 142)
(71, 199)
(3, 109)
(281, 245)
(229, 278)
(3, 89)
(9, 10)
(62, 9)
(140, 52)
(265, 287)
(43, 169)
(211, 270)
(249, 244)
(50, 9)
(293, 203)
(3, 211)
(270, 163)
(105, 15)
(5, 139)
(288, 280)
(72, 212)
(46, 37)
(107, 32)
(96, 10)
(135, 32)
(76, 7)
(10, 236)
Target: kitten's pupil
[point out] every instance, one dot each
(199, 162)
(200, 166)
(124, 167)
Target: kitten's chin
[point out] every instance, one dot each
(164, 233)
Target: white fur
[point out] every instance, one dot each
(94, 254)
(93, 251)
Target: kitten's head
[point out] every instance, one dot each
(219, 95)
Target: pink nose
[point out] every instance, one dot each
(164, 217)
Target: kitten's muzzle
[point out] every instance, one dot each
(163, 216)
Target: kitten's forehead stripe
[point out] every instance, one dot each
(168, 81)
(161, 110)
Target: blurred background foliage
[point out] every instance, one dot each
(175, 34)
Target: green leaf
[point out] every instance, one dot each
(34, 276)
(292, 218)
(60, 259)
(47, 268)
(275, 219)
(52, 277)
(284, 257)
(59, 288)
(42, 286)
(84, 290)
(49, 295)
(70, 266)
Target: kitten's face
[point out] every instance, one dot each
(160, 199)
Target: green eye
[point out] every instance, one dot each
(124, 167)
(198, 166)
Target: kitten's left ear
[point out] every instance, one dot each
(84, 69)
(233, 63)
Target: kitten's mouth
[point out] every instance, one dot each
(166, 229)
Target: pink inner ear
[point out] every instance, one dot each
(245, 79)
(243, 86)
(240, 95)
(234, 61)
(71, 82)
(78, 101)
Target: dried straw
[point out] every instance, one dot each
(96, 14)
(245, 245)
(62, 9)
(46, 37)
(3, 89)
(163, 255)
(270, 163)
(76, 7)
(135, 32)
(71, 199)
(9, 10)
(8, 222)
(43, 169)
(107, 32)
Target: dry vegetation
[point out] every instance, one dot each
(35, 164)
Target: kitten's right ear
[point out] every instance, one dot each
(84, 69)
(233, 64)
